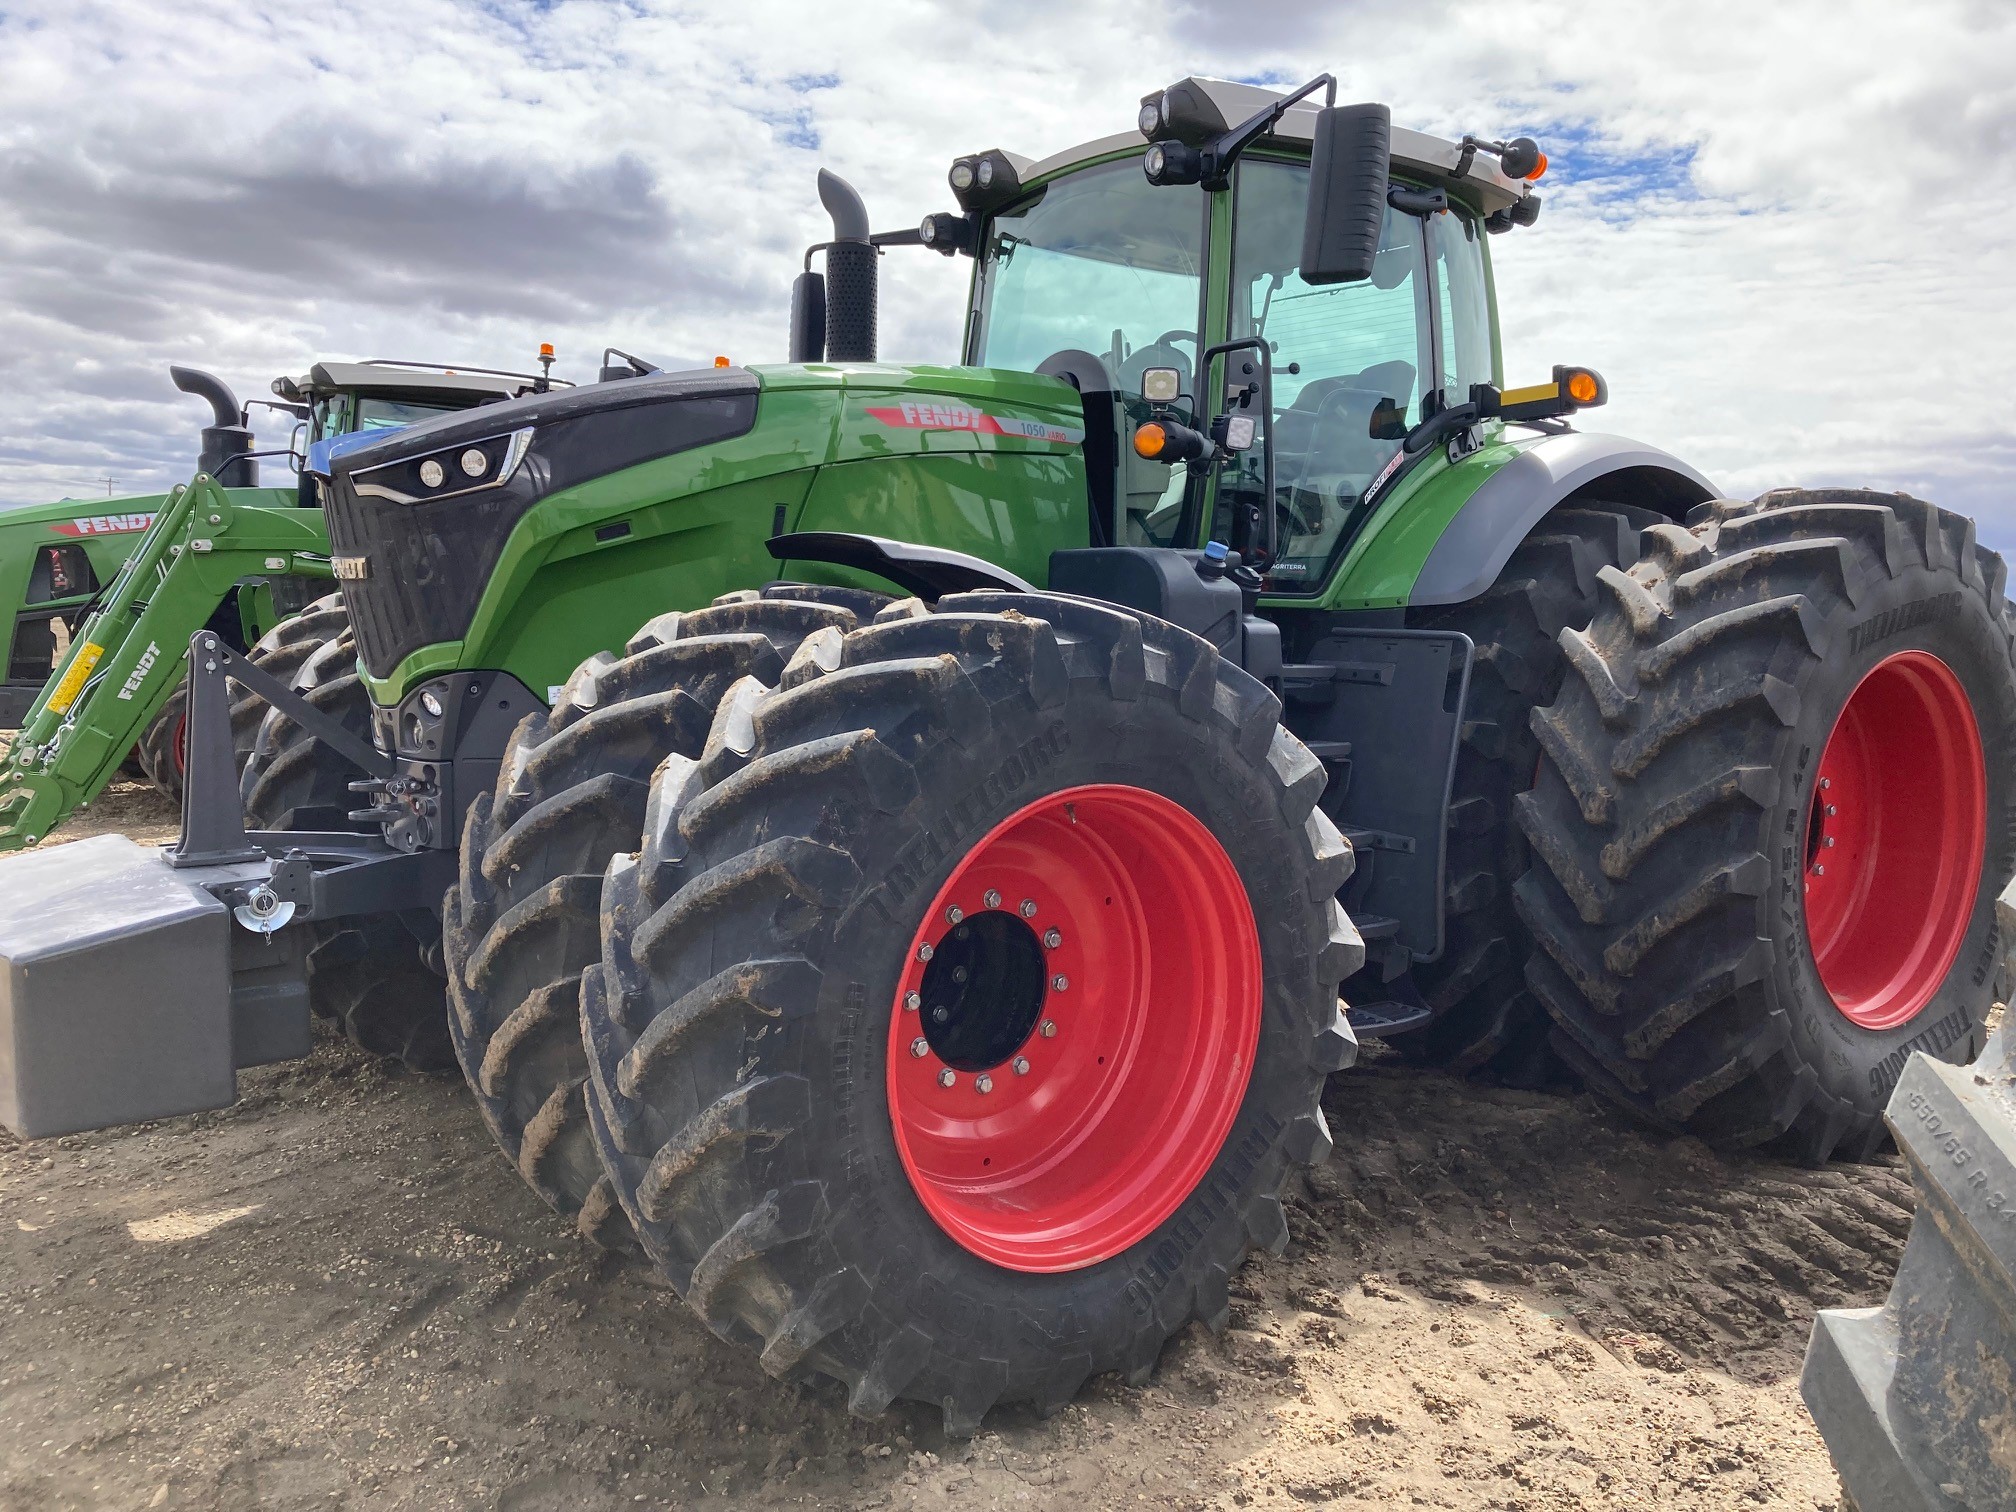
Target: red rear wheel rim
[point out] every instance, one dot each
(1894, 840)
(180, 744)
(1107, 1099)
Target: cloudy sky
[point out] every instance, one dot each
(1785, 231)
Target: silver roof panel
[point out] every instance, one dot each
(1430, 156)
(327, 376)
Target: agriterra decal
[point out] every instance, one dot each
(929, 415)
(97, 525)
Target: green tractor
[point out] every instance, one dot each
(891, 838)
(55, 559)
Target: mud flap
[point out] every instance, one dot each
(116, 988)
(1917, 1398)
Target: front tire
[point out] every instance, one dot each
(1728, 950)
(802, 1172)
(372, 975)
(525, 917)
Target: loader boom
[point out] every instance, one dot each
(125, 658)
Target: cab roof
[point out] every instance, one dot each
(403, 378)
(1429, 157)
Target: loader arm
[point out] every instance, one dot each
(125, 658)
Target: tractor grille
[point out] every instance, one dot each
(426, 564)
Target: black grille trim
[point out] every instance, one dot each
(430, 561)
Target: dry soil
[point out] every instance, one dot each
(336, 1295)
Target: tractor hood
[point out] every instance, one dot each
(420, 520)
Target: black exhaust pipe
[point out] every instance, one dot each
(850, 274)
(225, 443)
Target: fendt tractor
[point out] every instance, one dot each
(54, 558)
(891, 837)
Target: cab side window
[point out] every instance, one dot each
(1463, 301)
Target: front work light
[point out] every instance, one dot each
(1173, 163)
(962, 175)
(1161, 385)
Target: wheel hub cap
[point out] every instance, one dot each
(1894, 840)
(1074, 1028)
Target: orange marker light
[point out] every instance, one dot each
(1538, 168)
(545, 349)
(1582, 387)
(1148, 441)
(722, 362)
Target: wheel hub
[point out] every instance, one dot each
(1894, 840)
(1074, 1028)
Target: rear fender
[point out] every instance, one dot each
(1468, 556)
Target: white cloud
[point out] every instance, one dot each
(1784, 232)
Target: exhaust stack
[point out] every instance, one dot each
(227, 441)
(833, 315)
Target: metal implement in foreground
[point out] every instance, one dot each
(1915, 1398)
(891, 837)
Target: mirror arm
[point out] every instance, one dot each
(1224, 152)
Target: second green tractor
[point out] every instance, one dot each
(891, 838)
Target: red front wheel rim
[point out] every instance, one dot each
(1894, 840)
(1075, 1028)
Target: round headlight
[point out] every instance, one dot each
(1155, 160)
(431, 703)
(431, 473)
(927, 230)
(1150, 119)
(961, 175)
(986, 172)
(474, 463)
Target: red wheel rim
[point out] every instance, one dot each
(1894, 840)
(179, 745)
(1107, 1099)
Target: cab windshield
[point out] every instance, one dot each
(340, 414)
(1104, 262)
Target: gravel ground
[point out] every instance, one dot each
(336, 1295)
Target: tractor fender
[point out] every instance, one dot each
(1495, 519)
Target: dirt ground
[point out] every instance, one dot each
(336, 1295)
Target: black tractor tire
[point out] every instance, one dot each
(376, 976)
(739, 1023)
(1677, 821)
(525, 918)
(281, 651)
(1486, 1022)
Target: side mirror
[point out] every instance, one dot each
(1348, 169)
(808, 318)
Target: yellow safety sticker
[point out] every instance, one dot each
(74, 679)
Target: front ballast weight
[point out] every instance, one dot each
(136, 982)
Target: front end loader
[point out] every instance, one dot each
(256, 556)
(891, 838)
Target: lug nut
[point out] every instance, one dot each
(1028, 908)
(954, 914)
(983, 1084)
(925, 952)
(911, 1001)
(920, 1047)
(1021, 1065)
(1053, 938)
(940, 1014)
(1819, 871)
(1825, 783)
(1827, 840)
(1049, 1029)
(948, 1077)
(1832, 811)
(1059, 982)
(959, 973)
(991, 897)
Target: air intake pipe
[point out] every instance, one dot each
(836, 312)
(225, 443)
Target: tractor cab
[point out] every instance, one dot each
(336, 401)
(1096, 253)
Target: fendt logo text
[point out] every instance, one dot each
(140, 670)
(97, 525)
